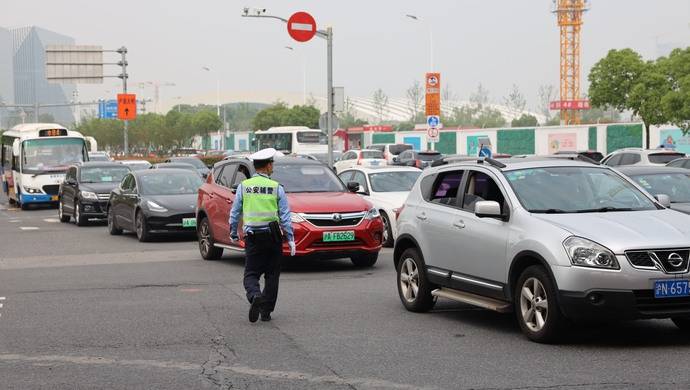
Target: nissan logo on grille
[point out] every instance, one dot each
(675, 260)
(670, 262)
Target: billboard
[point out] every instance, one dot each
(74, 64)
(565, 142)
(674, 138)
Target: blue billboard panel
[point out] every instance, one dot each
(674, 138)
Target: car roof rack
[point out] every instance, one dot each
(492, 162)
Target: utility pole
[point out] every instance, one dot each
(123, 76)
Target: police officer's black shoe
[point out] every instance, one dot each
(265, 316)
(255, 308)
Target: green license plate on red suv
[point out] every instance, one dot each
(339, 236)
(189, 222)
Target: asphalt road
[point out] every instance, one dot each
(82, 309)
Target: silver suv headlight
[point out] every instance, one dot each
(587, 253)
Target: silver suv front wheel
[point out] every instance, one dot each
(536, 306)
(413, 287)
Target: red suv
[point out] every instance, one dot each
(329, 220)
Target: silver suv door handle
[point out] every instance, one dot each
(459, 224)
(422, 216)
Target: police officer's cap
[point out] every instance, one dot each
(264, 155)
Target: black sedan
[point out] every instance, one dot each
(154, 201)
(197, 163)
(670, 181)
(185, 166)
(412, 158)
(84, 193)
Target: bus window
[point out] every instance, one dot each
(312, 137)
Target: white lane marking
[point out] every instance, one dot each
(14, 220)
(28, 227)
(51, 220)
(236, 369)
(302, 26)
(1, 304)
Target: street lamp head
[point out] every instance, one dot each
(289, 47)
(206, 68)
(411, 16)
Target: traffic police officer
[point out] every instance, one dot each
(262, 202)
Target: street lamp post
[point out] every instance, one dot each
(206, 68)
(304, 76)
(328, 36)
(431, 41)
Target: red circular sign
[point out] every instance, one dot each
(301, 26)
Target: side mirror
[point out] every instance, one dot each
(71, 181)
(234, 188)
(353, 186)
(487, 209)
(663, 200)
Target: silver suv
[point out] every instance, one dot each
(553, 240)
(639, 156)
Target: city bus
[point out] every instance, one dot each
(34, 159)
(293, 140)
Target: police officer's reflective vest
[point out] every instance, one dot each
(259, 201)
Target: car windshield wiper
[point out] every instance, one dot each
(605, 209)
(549, 211)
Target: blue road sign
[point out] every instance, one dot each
(107, 109)
(433, 121)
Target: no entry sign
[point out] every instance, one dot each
(301, 26)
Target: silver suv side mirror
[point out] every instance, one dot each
(663, 200)
(487, 209)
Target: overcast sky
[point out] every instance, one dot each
(495, 42)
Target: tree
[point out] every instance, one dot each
(480, 97)
(546, 93)
(380, 104)
(348, 118)
(676, 102)
(525, 120)
(624, 81)
(415, 95)
(489, 117)
(447, 94)
(600, 115)
(612, 78)
(269, 117)
(515, 99)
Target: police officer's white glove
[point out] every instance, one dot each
(291, 244)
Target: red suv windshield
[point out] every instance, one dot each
(307, 178)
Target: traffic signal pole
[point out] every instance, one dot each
(328, 36)
(123, 76)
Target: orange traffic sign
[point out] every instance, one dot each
(126, 106)
(433, 94)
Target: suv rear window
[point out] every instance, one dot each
(371, 154)
(445, 189)
(399, 148)
(664, 158)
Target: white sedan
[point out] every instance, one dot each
(386, 188)
(356, 158)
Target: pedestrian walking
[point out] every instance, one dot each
(263, 206)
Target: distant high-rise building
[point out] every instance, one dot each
(30, 84)
(6, 76)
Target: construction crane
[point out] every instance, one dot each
(156, 91)
(569, 14)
